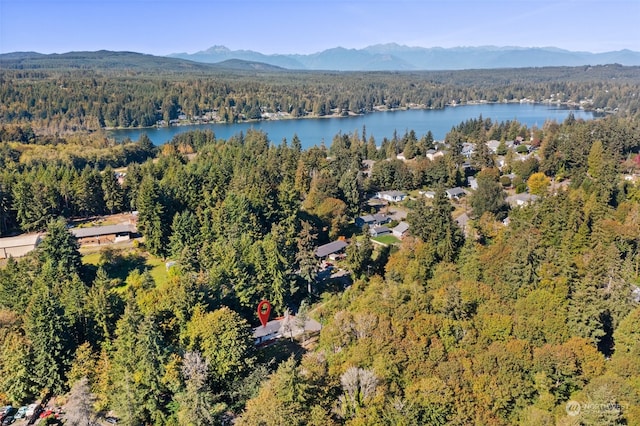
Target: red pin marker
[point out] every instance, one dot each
(264, 309)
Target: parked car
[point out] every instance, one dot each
(8, 420)
(47, 413)
(111, 420)
(21, 413)
(7, 411)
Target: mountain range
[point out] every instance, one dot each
(106, 60)
(395, 57)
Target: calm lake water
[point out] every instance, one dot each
(314, 131)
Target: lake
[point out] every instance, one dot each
(313, 131)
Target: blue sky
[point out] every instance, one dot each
(162, 27)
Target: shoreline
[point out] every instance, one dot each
(377, 109)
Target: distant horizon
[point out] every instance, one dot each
(163, 27)
(496, 47)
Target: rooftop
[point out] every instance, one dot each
(330, 248)
(96, 231)
(20, 240)
(402, 227)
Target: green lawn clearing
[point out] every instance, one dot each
(388, 240)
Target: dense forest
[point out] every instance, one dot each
(499, 324)
(87, 93)
(525, 315)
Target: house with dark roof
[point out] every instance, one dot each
(104, 234)
(331, 248)
(372, 220)
(378, 231)
(455, 193)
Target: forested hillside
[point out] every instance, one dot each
(502, 322)
(61, 94)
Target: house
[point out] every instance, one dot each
(286, 326)
(520, 200)
(372, 220)
(268, 333)
(432, 154)
(331, 248)
(104, 234)
(429, 194)
(467, 149)
(455, 193)
(378, 231)
(18, 246)
(392, 196)
(400, 230)
(494, 144)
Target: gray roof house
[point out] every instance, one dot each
(455, 193)
(330, 248)
(104, 234)
(400, 230)
(379, 230)
(372, 219)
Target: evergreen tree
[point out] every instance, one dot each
(359, 255)
(435, 225)
(60, 248)
(306, 257)
(151, 217)
(137, 368)
(481, 156)
(47, 329)
(185, 240)
(88, 195)
(489, 197)
(113, 193)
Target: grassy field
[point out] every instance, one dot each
(124, 259)
(388, 240)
